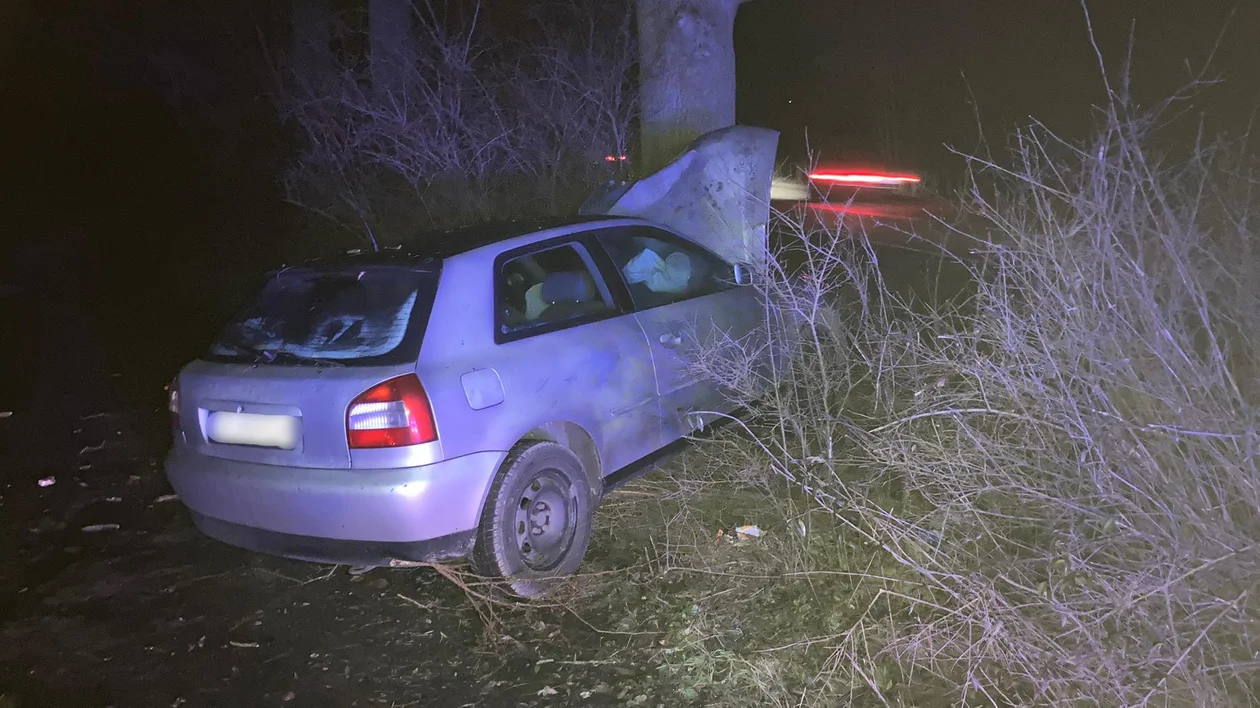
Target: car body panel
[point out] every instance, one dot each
(679, 331)
(600, 387)
(393, 506)
(597, 376)
(676, 331)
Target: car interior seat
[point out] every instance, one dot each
(570, 294)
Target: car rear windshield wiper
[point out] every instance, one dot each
(230, 349)
(270, 356)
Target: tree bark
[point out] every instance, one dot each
(687, 74)
(391, 45)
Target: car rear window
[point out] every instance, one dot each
(371, 316)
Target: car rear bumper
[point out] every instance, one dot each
(336, 551)
(373, 507)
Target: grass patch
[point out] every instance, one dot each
(735, 620)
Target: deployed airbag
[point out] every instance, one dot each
(661, 275)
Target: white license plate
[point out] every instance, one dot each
(280, 431)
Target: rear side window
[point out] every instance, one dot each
(364, 316)
(549, 289)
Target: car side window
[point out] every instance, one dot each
(543, 290)
(660, 268)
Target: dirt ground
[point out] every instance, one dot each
(110, 597)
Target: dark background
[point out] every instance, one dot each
(142, 157)
(854, 71)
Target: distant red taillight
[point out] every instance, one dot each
(172, 405)
(393, 413)
(882, 179)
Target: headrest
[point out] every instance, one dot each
(568, 286)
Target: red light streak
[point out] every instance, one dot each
(870, 210)
(863, 178)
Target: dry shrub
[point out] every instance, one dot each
(1062, 447)
(479, 121)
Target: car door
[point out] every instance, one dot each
(569, 351)
(688, 303)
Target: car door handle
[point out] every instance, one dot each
(671, 339)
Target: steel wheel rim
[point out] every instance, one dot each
(545, 520)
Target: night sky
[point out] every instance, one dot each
(143, 158)
(850, 71)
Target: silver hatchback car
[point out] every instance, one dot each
(474, 400)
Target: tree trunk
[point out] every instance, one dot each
(391, 45)
(312, 35)
(687, 74)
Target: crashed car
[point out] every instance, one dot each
(473, 399)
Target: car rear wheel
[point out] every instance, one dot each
(536, 524)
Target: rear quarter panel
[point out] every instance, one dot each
(562, 377)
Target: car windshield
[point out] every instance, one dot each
(359, 316)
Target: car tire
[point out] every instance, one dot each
(536, 523)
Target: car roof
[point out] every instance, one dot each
(435, 245)
(452, 242)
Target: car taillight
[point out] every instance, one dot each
(172, 404)
(393, 413)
